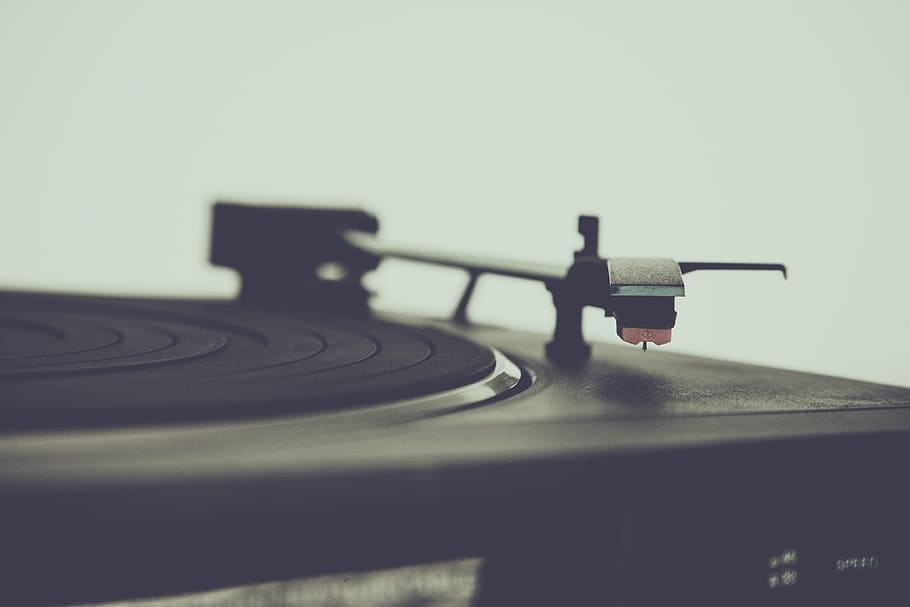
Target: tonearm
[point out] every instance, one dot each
(316, 258)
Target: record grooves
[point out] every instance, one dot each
(94, 361)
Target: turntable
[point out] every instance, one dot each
(152, 447)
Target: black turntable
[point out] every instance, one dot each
(155, 447)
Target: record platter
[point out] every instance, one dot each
(153, 447)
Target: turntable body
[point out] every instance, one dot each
(153, 447)
(636, 469)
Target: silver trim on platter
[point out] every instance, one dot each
(505, 377)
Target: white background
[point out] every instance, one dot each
(729, 131)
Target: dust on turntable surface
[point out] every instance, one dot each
(83, 361)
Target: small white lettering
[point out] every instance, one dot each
(788, 577)
(787, 557)
(853, 563)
